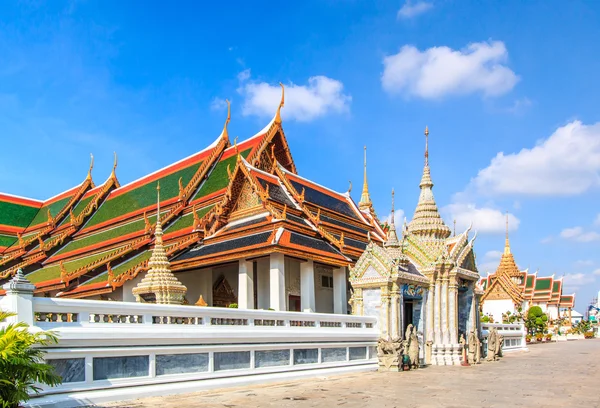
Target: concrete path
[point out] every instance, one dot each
(565, 374)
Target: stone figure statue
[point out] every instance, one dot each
(389, 353)
(473, 346)
(463, 350)
(499, 344)
(413, 348)
(492, 344)
(408, 332)
(477, 349)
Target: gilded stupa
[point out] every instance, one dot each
(160, 284)
(427, 221)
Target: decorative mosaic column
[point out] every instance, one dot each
(429, 314)
(444, 311)
(437, 312)
(452, 311)
(384, 315)
(394, 315)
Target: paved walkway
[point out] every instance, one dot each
(565, 374)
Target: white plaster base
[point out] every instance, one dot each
(77, 399)
(445, 354)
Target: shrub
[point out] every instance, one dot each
(233, 306)
(22, 366)
(588, 335)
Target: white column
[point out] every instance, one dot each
(19, 299)
(340, 304)
(401, 317)
(437, 312)
(395, 305)
(263, 287)
(429, 314)
(307, 286)
(277, 282)
(444, 311)
(245, 285)
(452, 312)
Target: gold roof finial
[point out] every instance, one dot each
(426, 146)
(507, 243)
(89, 175)
(392, 206)
(225, 133)
(115, 162)
(235, 146)
(365, 199)
(281, 104)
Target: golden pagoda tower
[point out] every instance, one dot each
(365, 203)
(427, 221)
(160, 284)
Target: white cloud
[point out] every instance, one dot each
(490, 262)
(218, 104)
(320, 96)
(547, 240)
(584, 262)
(578, 279)
(441, 71)
(485, 219)
(597, 220)
(410, 9)
(519, 106)
(578, 234)
(597, 272)
(567, 163)
(398, 219)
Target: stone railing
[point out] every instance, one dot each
(514, 335)
(118, 350)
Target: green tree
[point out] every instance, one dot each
(536, 320)
(22, 365)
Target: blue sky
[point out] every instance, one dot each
(508, 89)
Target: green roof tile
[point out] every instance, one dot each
(187, 220)
(55, 207)
(218, 178)
(542, 283)
(79, 207)
(122, 267)
(16, 215)
(7, 240)
(106, 235)
(53, 271)
(529, 282)
(142, 196)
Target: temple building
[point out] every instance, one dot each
(426, 278)
(510, 290)
(238, 225)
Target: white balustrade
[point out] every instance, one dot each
(514, 335)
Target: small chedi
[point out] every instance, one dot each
(425, 277)
(160, 284)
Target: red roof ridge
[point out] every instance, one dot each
(15, 199)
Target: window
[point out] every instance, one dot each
(327, 281)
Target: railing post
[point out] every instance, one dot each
(19, 299)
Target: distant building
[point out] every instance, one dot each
(509, 289)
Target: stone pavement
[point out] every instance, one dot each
(565, 374)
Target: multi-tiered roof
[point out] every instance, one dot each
(508, 282)
(222, 203)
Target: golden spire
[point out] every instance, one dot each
(113, 174)
(392, 237)
(427, 221)
(506, 242)
(426, 146)
(281, 104)
(365, 199)
(225, 133)
(89, 175)
(455, 227)
(160, 284)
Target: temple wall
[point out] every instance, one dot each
(465, 301)
(323, 295)
(497, 307)
(372, 303)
